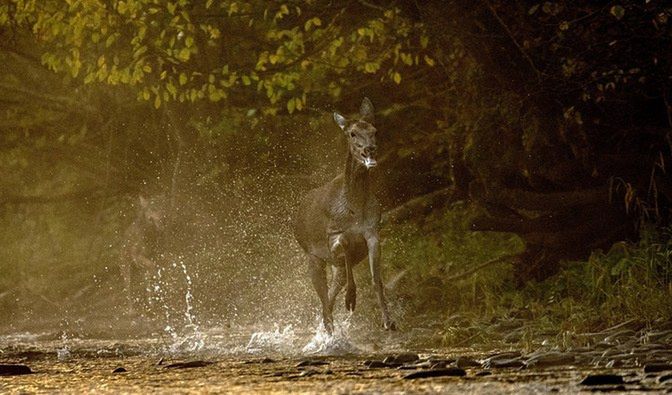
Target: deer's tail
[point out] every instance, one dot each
(350, 288)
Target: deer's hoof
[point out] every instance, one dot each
(350, 301)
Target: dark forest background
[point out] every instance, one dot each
(525, 150)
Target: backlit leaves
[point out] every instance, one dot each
(173, 51)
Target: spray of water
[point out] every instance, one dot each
(339, 342)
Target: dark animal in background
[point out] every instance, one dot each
(338, 222)
(141, 251)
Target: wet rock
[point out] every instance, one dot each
(503, 363)
(602, 379)
(14, 370)
(376, 364)
(447, 372)
(308, 373)
(484, 373)
(664, 378)
(120, 369)
(657, 367)
(401, 359)
(464, 362)
(188, 365)
(440, 363)
(422, 365)
(311, 362)
(548, 359)
(504, 355)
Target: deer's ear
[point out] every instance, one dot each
(340, 120)
(366, 109)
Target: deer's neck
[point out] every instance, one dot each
(356, 184)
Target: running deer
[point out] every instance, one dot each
(338, 222)
(142, 247)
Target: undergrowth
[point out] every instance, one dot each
(631, 281)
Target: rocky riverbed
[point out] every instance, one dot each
(619, 359)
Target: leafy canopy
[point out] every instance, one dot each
(187, 51)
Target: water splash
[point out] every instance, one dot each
(192, 339)
(180, 326)
(63, 353)
(336, 343)
(272, 341)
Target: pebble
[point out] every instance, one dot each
(14, 370)
(376, 364)
(402, 358)
(308, 373)
(120, 369)
(503, 363)
(602, 379)
(464, 362)
(448, 372)
(664, 378)
(311, 362)
(657, 367)
(550, 359)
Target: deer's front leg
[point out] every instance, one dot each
(373, 245)
(318, 276)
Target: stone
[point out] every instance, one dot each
(664, 378)
(657, 367)
(447, 372)
(311, 362)
(464, 362)
(14, 370)
(550, 359)
(602, 379)
(376, 364)
(503, 363)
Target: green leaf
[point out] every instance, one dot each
(396, 77)
(424, 40)
(617, 11)
(183, 78)
(291, 105)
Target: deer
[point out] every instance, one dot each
(338, 222)
(142, 244)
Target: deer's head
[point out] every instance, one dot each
(361, 134)
(150, 212)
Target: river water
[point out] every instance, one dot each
(287, 359)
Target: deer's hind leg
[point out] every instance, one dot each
(318, 275)
(338, 280)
